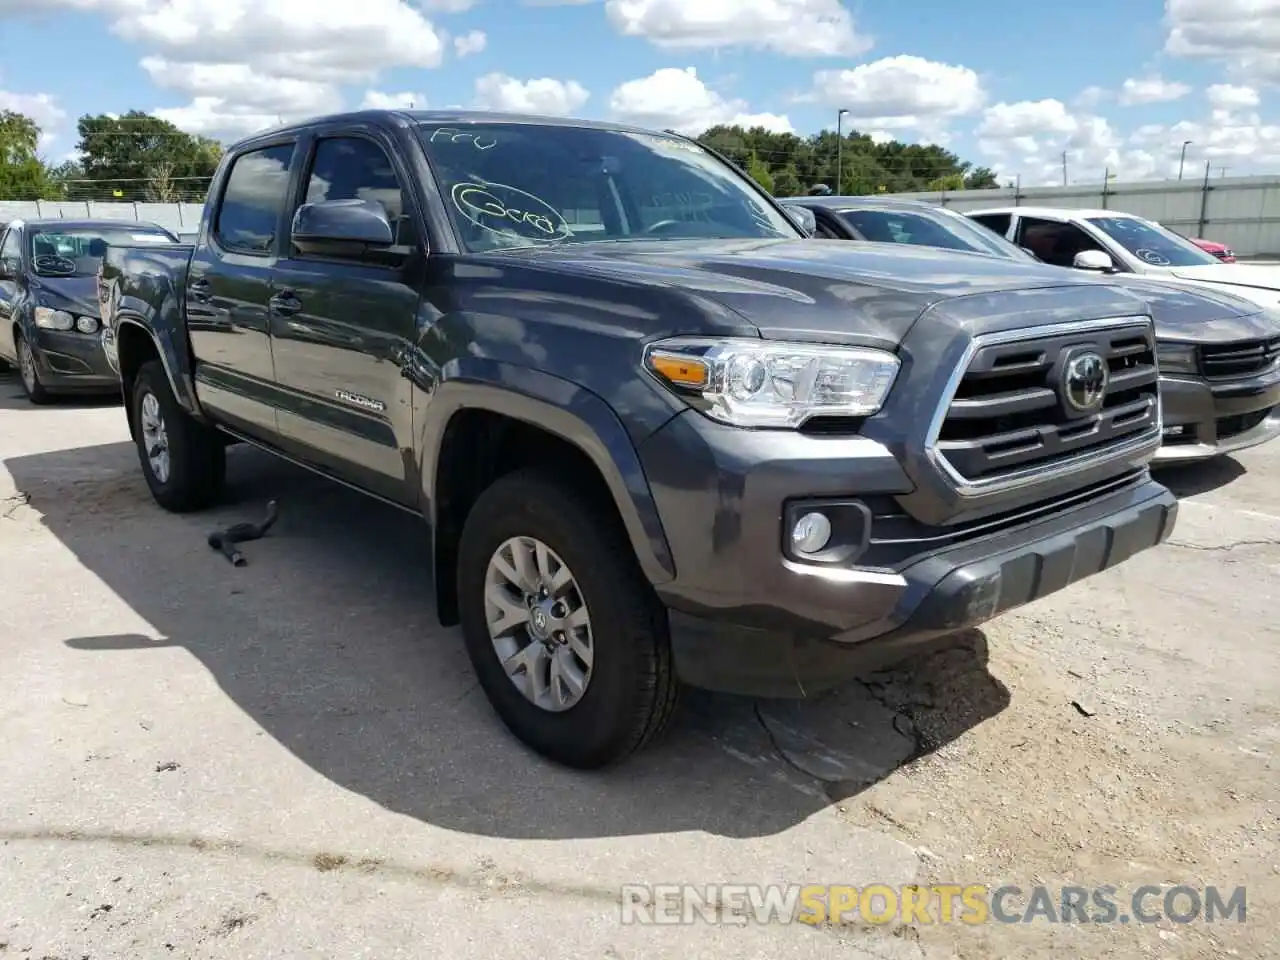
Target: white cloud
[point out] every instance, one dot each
(469, 43)
(1030, 137)
(446, 6)
(676, 99)
(900, 92)
(798, 28)
(405, 100)
(1243, 34)
(1226, 96)
(544, 96)
(1136, 91)
(243, 62)
(41, 107)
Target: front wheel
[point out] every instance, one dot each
(566, 638)
(184, 462)
(29, 373)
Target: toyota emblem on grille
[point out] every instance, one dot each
(1084, 382)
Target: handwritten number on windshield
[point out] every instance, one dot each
(449, 135)
(502, 209)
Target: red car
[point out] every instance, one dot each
(1219, 250)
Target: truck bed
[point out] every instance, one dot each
(142, 277)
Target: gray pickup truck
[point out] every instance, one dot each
(656, 433)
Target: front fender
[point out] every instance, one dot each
(574, 414)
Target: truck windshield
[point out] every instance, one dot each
(523, 184)
(943, 229)
(78, 251)
(1151, 243)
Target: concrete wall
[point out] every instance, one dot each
(178, 217)
(1242, 212)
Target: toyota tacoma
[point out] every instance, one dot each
(657, 434)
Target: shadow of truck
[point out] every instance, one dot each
(328, 640)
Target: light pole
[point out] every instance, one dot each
(1183, 159)
(839, 148)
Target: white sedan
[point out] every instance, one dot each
(1108, 241)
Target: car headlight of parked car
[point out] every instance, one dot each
(48, 318)
(1176, 357)
(759, 383)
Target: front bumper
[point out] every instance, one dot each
(73, 362)
(746, 619)
(1204, 418)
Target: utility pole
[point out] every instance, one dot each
(1183, 159)
(1064, 168)
(839, 150)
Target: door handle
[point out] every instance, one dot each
(198, 290)
(285, 303)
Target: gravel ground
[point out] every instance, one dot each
(290, 759)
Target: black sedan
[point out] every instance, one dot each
(49, 322)
(1219, 354)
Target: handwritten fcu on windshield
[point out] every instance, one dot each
(502, 209)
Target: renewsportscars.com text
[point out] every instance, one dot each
(741, 904)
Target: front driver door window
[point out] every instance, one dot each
(1055, 241)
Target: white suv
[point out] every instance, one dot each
(1108, 241)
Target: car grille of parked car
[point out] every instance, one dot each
(1239, 359)
(1010, 415)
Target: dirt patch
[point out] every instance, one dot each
(1041, 794)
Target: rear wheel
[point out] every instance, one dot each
(183, 461)
(566, 638)
(29, 373)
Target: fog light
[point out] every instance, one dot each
(811, 533)
(1173, 431)
(86, 324)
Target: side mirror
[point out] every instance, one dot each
(803, 218)
(342, 228)
(1094, 260)
(9, 269)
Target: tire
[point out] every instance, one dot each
(631, 690)
(196, 464)
(29, 373)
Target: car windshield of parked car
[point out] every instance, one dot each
(78, 252)
(1151, 243)
(951, 232)
(523, 184)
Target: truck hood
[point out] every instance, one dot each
(1251, 275)
(77, 295)
(1194, 313)
(810, 289)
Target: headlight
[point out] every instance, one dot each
(54, 319)
(86, 324)
(1176, 357)
(762, 383)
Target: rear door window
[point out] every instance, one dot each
(255, 196)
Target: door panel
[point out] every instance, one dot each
(340, 330)
(228, 286)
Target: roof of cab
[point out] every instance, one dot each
(421, 117)
(88, 223)
(1063, 212)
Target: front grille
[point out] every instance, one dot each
(1241, 359)
(1011, 412)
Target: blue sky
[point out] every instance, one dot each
(1004, 83)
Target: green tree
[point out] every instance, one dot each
(866, 166)
(758, 171)
(23, 175)
(140, 157)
